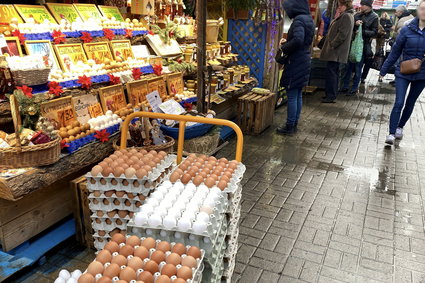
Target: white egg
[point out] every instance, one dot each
(180, 206)
(153, 202)
(204, 190)
(160, 210)
(158, 195)
(169, 222)
(207, 209)
(109, 113)
(141, 218)
(175, 211)
(71, 280)
(115, 116)
(215, 190)
(200, 227)
(167, 204)
(147, 208)
(183, 199)
(189, 215)
(64, 274)
(184, 224)
(190, 187)
(76, 274)
(202, 187)
(178, 185)
(60, 280)
(203, 216)
(155, 220)
(209, 202)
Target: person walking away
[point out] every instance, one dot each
(386, 24)
(296, 60)
(404, 16)
(410, 44)
(337, 47)
(368, 19)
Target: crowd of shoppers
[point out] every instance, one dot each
(338, 33)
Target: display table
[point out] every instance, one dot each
(41, 197)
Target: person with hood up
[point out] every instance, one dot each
(296, 59)
(337, 46)
(410, 44)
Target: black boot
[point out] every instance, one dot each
(296, 128)
(288, 130)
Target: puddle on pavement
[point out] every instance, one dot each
(377, 101)
(377, 118)
(378, 180)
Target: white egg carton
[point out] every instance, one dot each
(133, 206)
(228, 271)
(105, 215)
(152, 177)
(135, 197)
(235, 199)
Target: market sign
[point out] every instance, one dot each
(112, 98)
(87, 11)
(175, 83)
(60, 110)
(157, 84)
(37, 12)
(87, 106)
(98, 51)
(69, 55)
(121, 49)
(137, 91)
(7, 13)
(63, 11)
(109, 12)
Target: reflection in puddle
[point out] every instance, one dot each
(379, 180)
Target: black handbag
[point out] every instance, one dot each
(280, 57)
(321, 42)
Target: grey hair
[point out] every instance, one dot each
(401, 8)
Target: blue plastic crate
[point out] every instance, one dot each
(191, 132)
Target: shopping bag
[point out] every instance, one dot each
(378, 60)
(356, 51)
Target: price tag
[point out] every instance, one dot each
(66, 117)
(172, 107)
(154, 100)
(95, 110)
(61, 111)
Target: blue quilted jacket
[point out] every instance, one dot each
(410, 44)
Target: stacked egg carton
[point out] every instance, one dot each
(118, 186)
(132, 258)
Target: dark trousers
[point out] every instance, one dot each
(367, 65)
(332, 80)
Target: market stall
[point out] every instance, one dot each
(71, 74)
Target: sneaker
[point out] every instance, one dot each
(288, 130)
(343, 90)
(352, 93)
(390, 139)
(399, 134)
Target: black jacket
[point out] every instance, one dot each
(386, 24)
(369, 30)
(296, 49)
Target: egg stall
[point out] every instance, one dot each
(159, 225)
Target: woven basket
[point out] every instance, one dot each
(205, 145)
(30, 156)
(31, 77)
(167, 147)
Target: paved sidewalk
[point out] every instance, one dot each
(333, 204)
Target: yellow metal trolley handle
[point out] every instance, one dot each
(182, 126)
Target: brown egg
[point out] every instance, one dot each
(115, 231)
(120, 194)
(203, 175)
(101, 233)
(136, 166)
(136, 263)
(128, 274)
(109, 193)
(119, 238)
(107, 171)
(119, 222)
(158, 256)
(186, 178)
(198, 165)
(104, 256)
(151, 266)
(130, 196)
(130, 172)
(125, 165)
(108, 160)
(104, 279)
(184, 272)
(163, 279)
(182, 167)
(179, 249)
(96, 170)
(112, 247)
(169, 270)
(86, 278)
(228, 174)
(95, 268)
(118, 171)
(149, 243)
(117, 202)
(114, 157)
(189, 261)
(222, 185)
(198, 180)
(120, 260)
(162, 153)
(112, 270)
(225, 178)
(175, 176)
(108, 221)
(194, 251)
(141, 173)
(179, 280)
(126, 250)
(133, 241)
(122, 213)
(163, 246)
(141, 252)
(111, 213)
(157, 160)
(121, 281)
(105, 201)
(180, 171)
(209, 182)
(146, 277)
(174, 258)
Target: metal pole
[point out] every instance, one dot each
(201, 23)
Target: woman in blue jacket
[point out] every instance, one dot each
(410, 44)
(296, 59)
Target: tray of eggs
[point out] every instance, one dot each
(144, 259)
(111, 203)
(76, 135)
(130, 170)
(111, 122)
(234, 200)
(108, 225)
(183, 208)
(224, 174)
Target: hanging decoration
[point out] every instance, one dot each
(268, 11)
(273, 47)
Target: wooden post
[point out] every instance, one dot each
(201, 22)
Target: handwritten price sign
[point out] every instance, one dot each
(95, 110)
(66, 117)
(112, 98)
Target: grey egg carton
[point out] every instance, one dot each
(135, 197)
(113, 206)
(235, 199)
(109, 227)
(232, 246)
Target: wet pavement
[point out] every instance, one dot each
(331, 204)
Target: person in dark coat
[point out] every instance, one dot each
(296, 59)
(410, 44)
(337, 47)
(368, 19)
(386, 24)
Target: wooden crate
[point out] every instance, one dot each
(83, 229)
(23, 219)
(255, 112)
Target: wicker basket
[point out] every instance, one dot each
(30, 156)
(31, 77)
(167, 147)
(205, 145)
